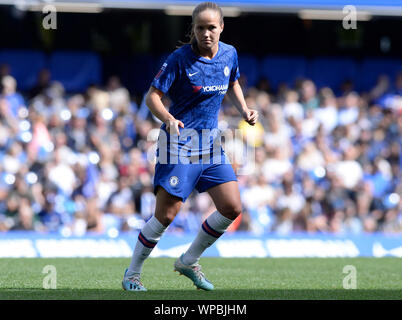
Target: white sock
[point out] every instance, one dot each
(212, 228)
(147, 240)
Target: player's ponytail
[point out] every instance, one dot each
(197, 10)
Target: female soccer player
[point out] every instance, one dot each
(195, 77)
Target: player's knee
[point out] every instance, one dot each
(231, 211)
(236, 211)
(168, 217)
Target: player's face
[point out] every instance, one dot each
(207, 29)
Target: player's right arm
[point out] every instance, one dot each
(154, 102)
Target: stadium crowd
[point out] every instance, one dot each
(315, 162)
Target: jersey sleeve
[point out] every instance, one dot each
(235, 73)
(166, 75)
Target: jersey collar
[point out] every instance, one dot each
(198, 57)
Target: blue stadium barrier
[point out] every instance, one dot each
(76, 70)
(24, 66)
(283, 69)
(332, 71)
(249, 66)
(31, 244)
(141, 67)
(371, 68)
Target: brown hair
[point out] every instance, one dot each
(197, 10)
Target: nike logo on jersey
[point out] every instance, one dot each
(191, 74)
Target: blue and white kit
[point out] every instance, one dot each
(196, 87)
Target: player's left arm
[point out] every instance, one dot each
(235, 94)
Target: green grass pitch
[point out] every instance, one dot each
(234, 279)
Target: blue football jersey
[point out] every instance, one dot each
(196, 85)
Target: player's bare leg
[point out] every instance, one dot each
(167, 206)
(226, 197)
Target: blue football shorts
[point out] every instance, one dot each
(181, 179)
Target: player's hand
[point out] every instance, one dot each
(172, 126)
(251, 116)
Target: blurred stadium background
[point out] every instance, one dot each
(75, 179)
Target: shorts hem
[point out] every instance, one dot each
(183, 199)
(214, 185)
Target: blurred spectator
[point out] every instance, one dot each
(310, 157)
(326, 113)
(347, 170)
(277, 135)
(263, 103)
(349, 113)
(381, 88)
(308, 95)
(121, 202)
(276, 165)
(61, 173)
(284, 222)
(264, 85)
(13, 99)
(42, 83)
(118, 95)
(290, 199)
(4, 70)
(292, 108)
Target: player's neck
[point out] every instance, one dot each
(208, 53)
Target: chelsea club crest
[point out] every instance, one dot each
(226, 71)
(174, 181)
